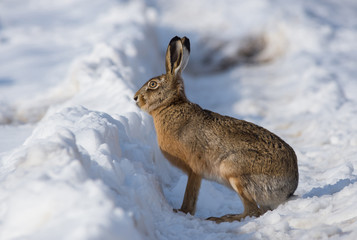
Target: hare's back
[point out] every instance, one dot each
(250, 143)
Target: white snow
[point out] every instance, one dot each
(79, 160)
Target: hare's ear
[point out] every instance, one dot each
(177, 55)
(186, 52)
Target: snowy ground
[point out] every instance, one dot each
(79, 160)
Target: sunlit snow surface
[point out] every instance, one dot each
(79, 160)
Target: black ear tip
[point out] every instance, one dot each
(186, 43)
(174, 39)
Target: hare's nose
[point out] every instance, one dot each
(135, 98)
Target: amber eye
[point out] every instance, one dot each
(152, 84)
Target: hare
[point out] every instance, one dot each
(249, 159)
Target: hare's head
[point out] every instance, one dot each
(163, 90)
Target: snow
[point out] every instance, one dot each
(79, 160)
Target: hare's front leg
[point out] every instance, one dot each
(191, 193)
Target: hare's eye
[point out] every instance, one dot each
(153, 84)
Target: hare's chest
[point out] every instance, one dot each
(172, 139)
(174, 153)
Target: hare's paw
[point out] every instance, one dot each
(180, 210)
(227, 218)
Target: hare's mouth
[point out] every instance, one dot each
(138, 103)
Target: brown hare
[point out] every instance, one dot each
(254, 162)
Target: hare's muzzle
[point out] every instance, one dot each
(137, 100)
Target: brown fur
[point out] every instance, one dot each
(254, 162)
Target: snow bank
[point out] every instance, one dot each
(76, 167)
(91, 168)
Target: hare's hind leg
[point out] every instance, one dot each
(250, 206)
(191, 193)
